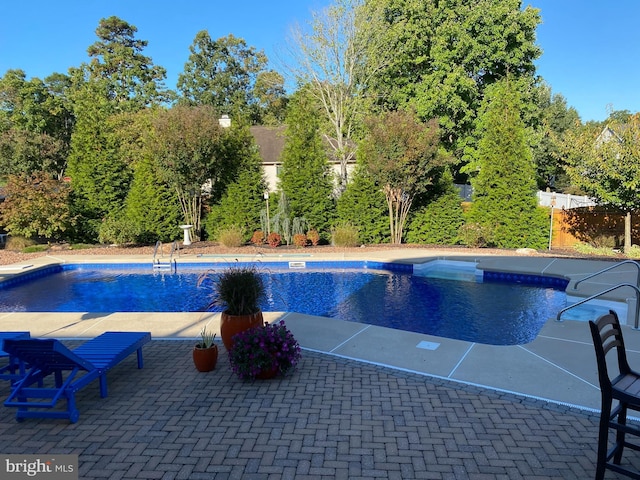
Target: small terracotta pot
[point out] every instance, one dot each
(205, 359)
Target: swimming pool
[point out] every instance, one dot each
(495, 311)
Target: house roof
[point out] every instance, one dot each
(270, 141)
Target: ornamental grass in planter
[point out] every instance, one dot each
(205, 352)
(264, 352)
(239, 291)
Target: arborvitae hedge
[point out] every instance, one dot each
(504, 201)
(363, 205)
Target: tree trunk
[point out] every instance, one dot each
(191, 208)
(399, 204)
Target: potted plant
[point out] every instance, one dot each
(264, 352)
(205, 352)
(239, 290)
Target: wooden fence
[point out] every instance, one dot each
(597, 225)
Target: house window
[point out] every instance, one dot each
(278, 170)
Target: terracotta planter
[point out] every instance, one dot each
(205, 359)
(231, 325)
(267, 374)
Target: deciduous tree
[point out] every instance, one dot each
(606, 165)
(35, 125)
(271, 98)
(403, 157)
(36, 205)
(554, 119)
(186, 143)
(446, 53)
(336, 57)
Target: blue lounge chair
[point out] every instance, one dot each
(13, 370)
(70, 370)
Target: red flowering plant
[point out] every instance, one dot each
(269, 348)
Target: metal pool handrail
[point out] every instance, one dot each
(157, 264)
(155, 251)
(575, 285)
(635, 287)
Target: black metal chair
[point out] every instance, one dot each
(624, 387)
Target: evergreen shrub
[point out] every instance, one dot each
(438, 223)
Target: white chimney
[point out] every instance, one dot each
(225, 121)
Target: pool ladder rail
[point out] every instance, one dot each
(158, 264)
(636, 289)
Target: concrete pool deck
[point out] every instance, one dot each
(332, 418)
(558, 366)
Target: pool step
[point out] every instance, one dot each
(449, 270)
(596, 308)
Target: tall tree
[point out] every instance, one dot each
(271, 98)
(446, 53)
(99, 175)
(555, 118)
(336, 56)
(306, 176)
(605, 163)
(504, 186)
(221, 73)
(152, 205)
(402, 156)
(133, 80)
(118, 79)
(35, 126)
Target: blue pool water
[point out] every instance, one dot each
(492, 312)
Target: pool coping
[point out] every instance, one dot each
(558, 366)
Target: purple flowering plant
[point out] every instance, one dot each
(262, 349)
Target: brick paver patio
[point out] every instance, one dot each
(332, 418)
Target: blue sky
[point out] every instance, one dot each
(591, 53)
